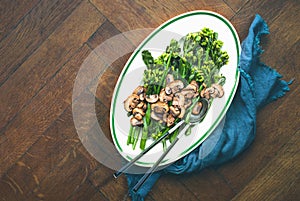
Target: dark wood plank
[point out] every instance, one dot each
(36, 117)
(12, 12)
(32, 30)
(86, 191)
(272, 182)
(66, 177)
(47, 60)
(136, 15)
(207, 185)
(106, 31)
(236, 5)
(50, 150)
(287, 48)
(218, 6)
(267, 9)
(170, 188)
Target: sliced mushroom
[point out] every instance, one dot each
(161, 117)
(219, 91)
(197, 108)
(182, 113)
(192, 86)
(142, 96)
(138, 110)
(175, 86)
(189, 93)
(178, 100)
(170, 120)
(175, 111)
(138, 116)
(141, 105)
(131, 102)
(169, 78)
(152, 98)
(160, 107)
(139, 90)
(136, 122)
(187, 103)
(164, 97)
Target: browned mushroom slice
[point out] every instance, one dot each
(138, 110)
(131, 102)
(192, 86)
(187, 103)
(169, 78)
(138, 116)
(160, 107)
(188, 93)
(219, 91)
(160, 117)
(141, 105)
(139, 90)
(197, 108)
(152, 98)
(175, 111)
(182, 113)
(170, 120)
(136, 122)
(175, 86)
(164, 97)
(178, 100)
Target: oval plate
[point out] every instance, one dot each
(132, 74)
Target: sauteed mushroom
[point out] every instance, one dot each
(131, 102)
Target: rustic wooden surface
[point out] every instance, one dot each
(43, 43)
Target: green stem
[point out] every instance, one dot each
(129, 135)
(136, 137)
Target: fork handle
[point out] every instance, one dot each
(129, 164)
(153, 168)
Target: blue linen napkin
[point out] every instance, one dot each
(258, 86)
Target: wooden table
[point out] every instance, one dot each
(43, 43)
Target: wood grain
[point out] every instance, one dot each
(54, 52)
(11, 12)
(272, 182)
(30, 32)
(49, 47)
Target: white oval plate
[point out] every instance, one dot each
(132, 73)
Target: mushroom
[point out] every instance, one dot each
(169, 78)
(205, 94)
(175, 86)
(139, 90)
(182, 112)
(170, 120)
(152, 98)
(131, 102)
(197, 108)
(138, 110)
(178, 100)
(136, 122)
(219, 91)
(164, 97)
(138, 116)
(161, 117)
(175, 111)
(189, 93)
(187, 103)
(214, 91)
(160, 107)
(141, 105)
(192, 86)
